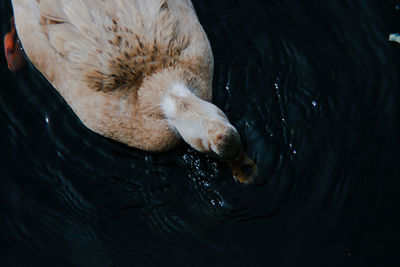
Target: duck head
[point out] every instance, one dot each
(207, 129)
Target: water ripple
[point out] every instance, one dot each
(311, 88)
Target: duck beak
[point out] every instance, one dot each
(244, 169)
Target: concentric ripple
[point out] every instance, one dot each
(311, 86)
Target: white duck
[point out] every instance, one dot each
(137, 71)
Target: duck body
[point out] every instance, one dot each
(112, 61)
(137, 71)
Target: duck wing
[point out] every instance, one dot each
(110, 45)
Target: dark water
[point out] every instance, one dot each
(313, 88)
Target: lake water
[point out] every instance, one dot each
(313, 89)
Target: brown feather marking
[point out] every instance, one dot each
(134, 62)
(164, 6)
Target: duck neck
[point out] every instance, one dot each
(165, 99)
(186, 113)
(200, 123)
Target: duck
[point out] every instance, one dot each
(136, 71)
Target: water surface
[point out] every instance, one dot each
(313, 89)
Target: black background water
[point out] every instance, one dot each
(313, 88)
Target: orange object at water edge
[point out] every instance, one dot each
(12, 49)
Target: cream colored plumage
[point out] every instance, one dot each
(137, 71)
